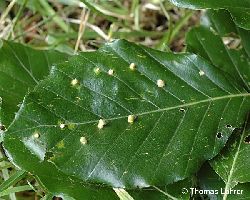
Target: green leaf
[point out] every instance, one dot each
(34, 5)
(215, 21)
(1, 126)
(21, 68)
(123, 194)
(174, 191)
(233, 163)
(53, 180)
(211, 182)
(13, 179)
(48, 197)
(15, 190)
(207, 42)
(240, 10)
(178, 125)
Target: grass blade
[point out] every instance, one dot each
(13, 179)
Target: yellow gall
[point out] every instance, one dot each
(160, 83)
(131, 119)
(62, 126)
(74, 82)
(36, 135)
(201, 73)
(83, 140)
(101, 123)
(97, 70)
(132, 66)
(111, 72)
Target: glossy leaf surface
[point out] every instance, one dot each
(54, 181)
(207, 41)
(174, 191)
(183, 106)
(21, 69)
(215, 20)
(240, 10)
(215, 187)
(233, 163)
(233, 57)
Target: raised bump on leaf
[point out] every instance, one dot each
(132, 66)
(83, 140)
(247, 139)
(101, 123)
(111, 72)
(74, 82)
(160, 83)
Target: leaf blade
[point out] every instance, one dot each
(13, 179)
(115, 164)
(21, 69)
(207, 41)
(238, 10)
(234, 159)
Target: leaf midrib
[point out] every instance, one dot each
(174, 107)
(148, 112)
(232, 170)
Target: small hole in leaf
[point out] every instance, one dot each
(219, 135)
(229, 126)
(247, 139)
(2, 127)
(57, 198)
(182, 110)
(49, 155)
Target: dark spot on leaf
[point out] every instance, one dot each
(229, 126)
(247, 139)
(49, 155)
(219, 135)
(2, 128)
(57, 198)
(182, 110)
